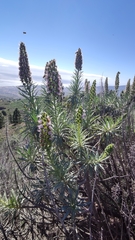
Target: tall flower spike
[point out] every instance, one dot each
(24, 69)
(128, 88)
(87, 86)
(93, 91)
(45, 130)
(78, 60)
(133, 88)
(80, 115)
(108, 150)
(106, 86)
(117, 82)
(53, 79)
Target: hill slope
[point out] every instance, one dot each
(12, 92)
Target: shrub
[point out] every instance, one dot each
(4, 113)
(1, 120)
(16, 116)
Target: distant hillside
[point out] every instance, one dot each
(12, 92)
(9, 92)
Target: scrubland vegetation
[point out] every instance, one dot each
(69, 172)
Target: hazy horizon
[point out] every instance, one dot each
(9, 73)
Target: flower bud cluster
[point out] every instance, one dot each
(78, 60)
(93, 91)
(24, 69)
(53, 79)
(87, 86)
(80, 114)
(45, 130)
(108, 150)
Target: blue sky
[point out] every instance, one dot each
(103, 29)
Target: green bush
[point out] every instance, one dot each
(1, 120)
(4, 113)
(16, 116)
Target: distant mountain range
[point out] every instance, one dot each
(12, 92)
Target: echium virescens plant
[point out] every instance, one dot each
(53, 80)
(28, 91)
(75, 85)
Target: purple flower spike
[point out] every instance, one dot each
(53, 79)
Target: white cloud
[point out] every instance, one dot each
(8, 62)
(9, 74)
